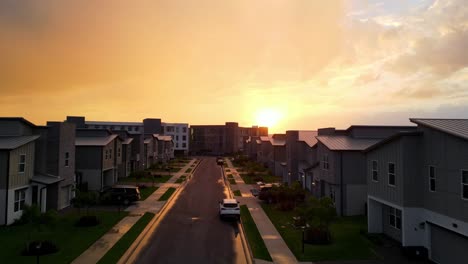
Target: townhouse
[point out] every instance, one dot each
(277, 163)
(418, 188)
(342, 171)
(165, 148)
(301, 153)
(98, 157)
(36, 166)
(180, 136)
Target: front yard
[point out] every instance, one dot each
(71, 240)
(348, 243)
(158, 179)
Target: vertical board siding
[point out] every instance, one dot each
(21, 179)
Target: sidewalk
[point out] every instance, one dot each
(279, 251)
(97, 250)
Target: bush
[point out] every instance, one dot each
(39, 248)
(138, 174)
(88, 220)
(317, 236)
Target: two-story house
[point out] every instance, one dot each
(418, 188)
(342, 171)
(301, 153)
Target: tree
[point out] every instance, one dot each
(85, 199)
(318, 214)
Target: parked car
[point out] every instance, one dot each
(254, 192)
(121, 194)
(220, 160)
(229, 208)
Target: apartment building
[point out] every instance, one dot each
(418, 188)
(36, 166)
(221, 139)
(180, 135)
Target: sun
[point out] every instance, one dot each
(268, 117)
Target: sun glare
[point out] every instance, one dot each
(268, 117)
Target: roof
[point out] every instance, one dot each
(308, 137)
(109, 123)
(16, 142)
(264, 138)
(148, 140)
(162, 138)
(127, 141)
(94, 141)
(17, 119)
(392, 138)
(346, 143)
(455, 127)
(46, 179)
(258, 141)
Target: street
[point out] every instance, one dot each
(191, 231)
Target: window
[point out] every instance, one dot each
(375, 170)
(391, 174)
(110, 153)
(118, 152)
(184, 145)
(184, 129)
(177, 145)
(184, 138)
(67, 159)
(395, 218)
(177, 129)
(465, 184)
(326, 165)
(106, 154)
(177, 138)
(432, 181)
(21, 163)
(20, 198)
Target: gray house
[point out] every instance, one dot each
(98, 157)
(36, 166)
(418, 188)
(342, 171)
(301, 152)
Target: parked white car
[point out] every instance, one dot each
(229, 208)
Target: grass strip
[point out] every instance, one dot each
(146, 192)
(232, 181)
(188, 170)
(237, 193)
(181, 179)
(116, 252)
(256, 242)
(167, 194)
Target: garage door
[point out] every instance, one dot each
(448, 247)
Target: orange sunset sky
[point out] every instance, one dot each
(289, 64)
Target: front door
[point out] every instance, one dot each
(34, 194)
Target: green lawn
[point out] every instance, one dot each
(237, 193)
(167, 194)
(161, 179)
(232, 181)
(188, 170)
(348, 243)
(181, 179)
(116, 252)
(266, 178)
(146, 192)
(256, 242)
(71, 240)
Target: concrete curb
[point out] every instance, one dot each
(129, 255)
(245, 243)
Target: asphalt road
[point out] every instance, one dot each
(191, 231)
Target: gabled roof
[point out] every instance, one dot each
(455, 127)
(308, 137)
(94, 141)
(392, 138)
(346, 143)
(264, 138)
(16, 142)
(277, 141)
(127, 141)
(148, 140)
(162, 137)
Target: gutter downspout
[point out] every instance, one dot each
(341, 184)
(7, 188)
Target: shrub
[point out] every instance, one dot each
(39, 248)
(88, 220)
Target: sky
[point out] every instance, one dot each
(290, 64)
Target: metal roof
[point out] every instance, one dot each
(46, 179)
(148, 140)
(346, 142)
(308, 137)
(111, 123)
(258, 141)
(162, 138)
(94, 141)
(265, 138)
(16, 142)
(127, 141)
(277, 142)
(455, 127)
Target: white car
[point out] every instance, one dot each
(229, 208)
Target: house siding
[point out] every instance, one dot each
(387, 228)
(21, 179)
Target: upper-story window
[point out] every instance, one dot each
(432, 179)
(176, 137)
(395, 218)
(177, 129)
(375, 170)
(67, 159)
(21, 163)
(107, 154)
(464, 184)
(110, 153)
(326, 165)
(184, 138)
(391, 174)
(184, 145)
(118, 152)
(184, 129)
(20, 199)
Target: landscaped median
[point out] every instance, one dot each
(256, 242)
(146, 192)
(117, 251)
(347, 242)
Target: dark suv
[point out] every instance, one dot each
(124, 194)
